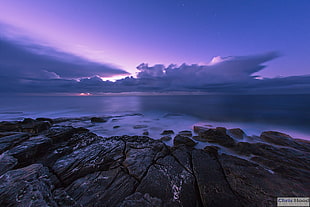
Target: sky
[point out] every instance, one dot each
(71, 46)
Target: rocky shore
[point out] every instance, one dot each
(44, 163)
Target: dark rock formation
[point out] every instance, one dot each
(217, 135)
(183, 140)
(99, 119)
(167, 132)
(236, 133)
(66, 166)
(165, 138)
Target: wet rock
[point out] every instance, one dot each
(45, 119)
(104, 188)
(7, 163)
(211, 149)
(89, 170)
(8, 142)
(9, 126)
(213, 186)
(236, 133)
(141, 200)
(183, 140)
(200, 129)
(33, 126)
(165, 138)
(29, 186)
(140, 126)
(141, 153)
(62, 199)
(246, 177)
(167, 132)
(116, 127)
(282, 139)
(63, 133)
(99, 119)
(145, 133)
(95, 157)
(29, 151)
(170, 182)
(185, 133)
(217, 135)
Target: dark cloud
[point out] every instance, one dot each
(38, 69)
(29, 60)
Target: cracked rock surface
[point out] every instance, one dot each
(45, 164)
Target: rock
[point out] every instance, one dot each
(63, 133)
(4, 134)
(200, 129)
(7, 163)
(29, 186)
(9, 126)
(146, 133)
(33, 126)
(141, 153)
(45, 119)
(198, 138)
(105, 188)
(186, 133)
(170, 182)
(141, 200)
(115, 127)
(83, 169)
(63, 199)
(165, 138)
(29, 151)
(140, 126)
(97, 156)
(211, 149)
(8, 142)
(167, 132)
(282, 139)
(217, 135)
(179, 140)
(98, 119)
(246, 177)
(236, 133)
(212, 184)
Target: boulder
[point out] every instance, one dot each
(186, 133)
(165, 138)
(183, 140)
(217, 135)
(167, 132)
(140, 126)
(99, 119)
(200, 129)
(236, 133)
(282, 139)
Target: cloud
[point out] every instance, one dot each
(32, 68)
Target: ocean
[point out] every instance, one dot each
(252, 113)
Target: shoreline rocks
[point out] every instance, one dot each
(45, 164)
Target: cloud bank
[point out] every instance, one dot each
(32, 68)
(25, 64)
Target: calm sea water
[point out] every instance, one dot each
(287, 113)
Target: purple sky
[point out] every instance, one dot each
(129, 32)
(122, 34)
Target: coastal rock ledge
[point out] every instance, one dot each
(43, 163)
